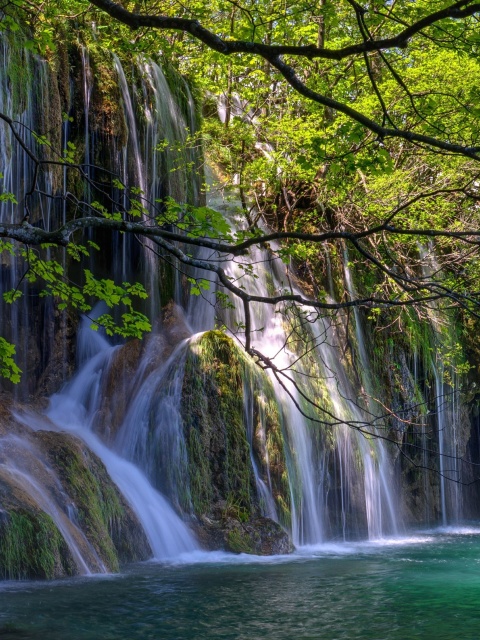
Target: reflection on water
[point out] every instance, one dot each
(424, 586)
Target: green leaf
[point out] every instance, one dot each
(8, 367)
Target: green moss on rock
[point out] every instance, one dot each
(239, 541)
(30, 544)
(218, 450)
(260, 536)
(222, 482)
(103, 515)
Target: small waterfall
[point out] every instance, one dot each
(441, 428)
(309, 463)
(447, 418)
(152, 432)
(16, 171)
(271, 340)
(158, 159)
(22, 464)
(74, 411)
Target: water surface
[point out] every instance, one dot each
(426, 586)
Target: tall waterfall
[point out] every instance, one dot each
(343, 482)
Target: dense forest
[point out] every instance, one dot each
(239, 278)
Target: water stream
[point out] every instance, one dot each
(73, 410)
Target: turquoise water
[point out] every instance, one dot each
(426, 586)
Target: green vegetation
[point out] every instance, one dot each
(31, 546)
(213, 411)
(349, 130)
(216, 375)
(239, 541)
(98, 502)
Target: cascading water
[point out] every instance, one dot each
(23, 83)
(152, 431)
(270, 338)
(446, 403)
(340, 481)
(265, 489)
(379, 491)
(74, 410)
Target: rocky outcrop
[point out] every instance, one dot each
(257, 535)
(223, 488)
(60, 514)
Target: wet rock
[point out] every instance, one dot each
(60, 513)
(258, 536)
(174, 325)
(100, 509)
(117, 389)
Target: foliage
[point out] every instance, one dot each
(342, 125)
(8, 367)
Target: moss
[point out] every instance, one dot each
(167, 278)
(201, 489)
(218, 450)
(107, 116)
(20, 73)
(87, 483)
(217, 376)
(239, 541)
(31, 546)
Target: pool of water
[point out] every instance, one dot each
(424, 586)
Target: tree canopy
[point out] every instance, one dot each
(350, 130)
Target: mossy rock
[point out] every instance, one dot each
(103, 515)
(261, 537)
(258, 536)
(218, 375)
(31, 547)
(212, 411)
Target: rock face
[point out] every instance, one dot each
(60, 514)
(221, 452)
(258, 535)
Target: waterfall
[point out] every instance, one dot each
(17, 102)
(73, 410)
(379, 490)
(341, 481)
(311, 464)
